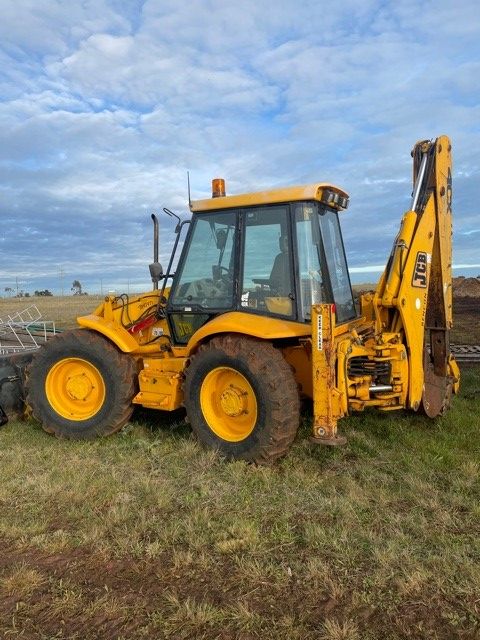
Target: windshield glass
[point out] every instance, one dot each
(336, 264)
(206, 275)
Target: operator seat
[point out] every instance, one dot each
(280, 278)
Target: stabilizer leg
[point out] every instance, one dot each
(326, 397)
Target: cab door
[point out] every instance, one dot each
(267, 283)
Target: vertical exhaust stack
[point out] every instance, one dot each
(156, 270)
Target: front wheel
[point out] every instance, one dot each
(242, 399)
(81, 386)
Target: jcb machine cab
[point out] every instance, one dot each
(260, 313)
(271, 260)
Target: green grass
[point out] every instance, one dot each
(145, 535)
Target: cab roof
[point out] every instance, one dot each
(321, 191)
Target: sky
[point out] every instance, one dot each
(106, 104)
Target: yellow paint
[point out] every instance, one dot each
(109, 317)
(250, 324)
(299, 358)
(75, 389)
(327, 404)
(228, 404)
(454, 371)
(160, 382)
(402, 246)
(273, 196)
(114, 332)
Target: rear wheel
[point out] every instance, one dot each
(241, 398)
(81, 386)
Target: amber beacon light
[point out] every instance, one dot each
(218, 188)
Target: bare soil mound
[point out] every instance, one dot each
(466, 287)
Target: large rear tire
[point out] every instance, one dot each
(80, 386)
(242, 399)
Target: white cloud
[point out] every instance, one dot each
(105, 105)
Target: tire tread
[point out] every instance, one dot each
(268, 364)
(122, 365)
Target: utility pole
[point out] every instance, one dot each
(62, 274)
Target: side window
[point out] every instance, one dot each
(267, 272)
(207, 273)
(311, 282)
(337, 265)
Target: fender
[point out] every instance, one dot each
(250, 324)
(114, 332)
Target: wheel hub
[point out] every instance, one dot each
(228, 403)
(233, 401)
(75, 389)
(79, 387)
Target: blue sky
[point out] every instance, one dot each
(104, 106)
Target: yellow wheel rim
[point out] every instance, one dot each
(228, 404)
(75, 389)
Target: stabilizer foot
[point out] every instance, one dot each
(338, 441)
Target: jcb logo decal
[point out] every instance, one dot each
(184, 328)
(449, 191)
(420, 272)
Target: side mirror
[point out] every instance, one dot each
(156, 271)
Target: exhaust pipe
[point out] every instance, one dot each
(156, 270)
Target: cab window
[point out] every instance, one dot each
(267, 274)
(206, 275)
(312, 290)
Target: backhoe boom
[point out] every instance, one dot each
(405, 339)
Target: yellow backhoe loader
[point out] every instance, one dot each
(258, 314)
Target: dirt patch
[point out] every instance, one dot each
(466, 287)
(81, 594)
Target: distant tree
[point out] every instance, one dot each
(9, 290)
(77, 288)
(45, 292)
(27, 295)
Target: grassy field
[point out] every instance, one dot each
(144, 535)
(61, 309)
(64, 310)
